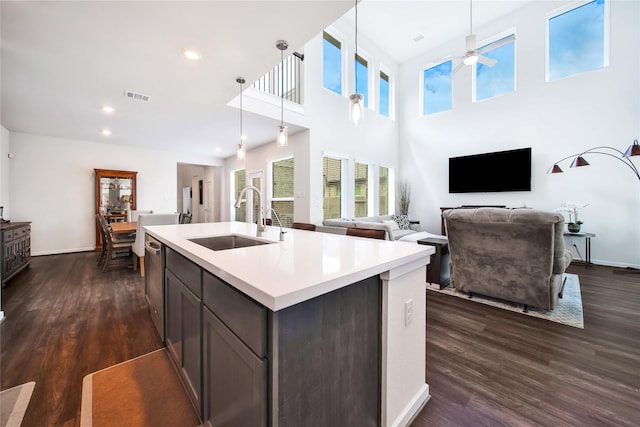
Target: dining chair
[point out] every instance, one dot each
(185, 218)
(118, 249)
(303, 226)
(138, 245)
(366, 232)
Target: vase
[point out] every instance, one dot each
(573, 228)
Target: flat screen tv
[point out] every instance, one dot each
(491, 172)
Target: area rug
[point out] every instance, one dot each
(568, 311)
(13, 404)
(140, 392)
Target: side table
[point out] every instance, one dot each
(438, 268)
(587, 245)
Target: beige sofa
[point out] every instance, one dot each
(382, 222)
(516, 255)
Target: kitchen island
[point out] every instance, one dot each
(316, 330)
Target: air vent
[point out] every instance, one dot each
(137, 96)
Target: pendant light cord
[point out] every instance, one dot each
(281, 87)
(241, 141)
(356, 68)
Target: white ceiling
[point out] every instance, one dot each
(63, 60)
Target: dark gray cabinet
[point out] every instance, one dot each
(234, 378)
(183, 313)
(316, 363)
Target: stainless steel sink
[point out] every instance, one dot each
(231, 241)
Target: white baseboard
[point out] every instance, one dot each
(1, 316)
(412, 410)
(64, 251)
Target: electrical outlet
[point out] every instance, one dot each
(408, 312)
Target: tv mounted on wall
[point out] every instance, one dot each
(491, 172)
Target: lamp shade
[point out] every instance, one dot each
(578, 162)
(633, 150)
(281, 138)
(356, 108)
(555, 169)
(241, 152)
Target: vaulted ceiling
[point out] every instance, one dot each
(63, 60)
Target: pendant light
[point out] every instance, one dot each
(356, 100)
(281, 137)
(241, 152)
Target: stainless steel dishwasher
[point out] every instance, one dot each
(153, 281)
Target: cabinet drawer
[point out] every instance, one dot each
(185, 270)
(21, 232)
(7, 235)
(246, 318)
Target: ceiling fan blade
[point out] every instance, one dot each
(489, 62)
(470, 41)
(458, 68)
(496, 44)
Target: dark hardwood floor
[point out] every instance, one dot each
(485, 366)
(492, 367)
(65, 318)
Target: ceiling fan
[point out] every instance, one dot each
(473, 54)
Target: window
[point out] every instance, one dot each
(331, 63)
(282, 174)
(501, 78)
(576, 40)
(332, 187)
(436, 94)
(362, 78)
(383, 207)
(361, 190)
(239, 178)
(385, 102)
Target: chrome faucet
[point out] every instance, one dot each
(282, 232)
(239, 201)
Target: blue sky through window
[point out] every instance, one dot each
(331, 65)
(362, 79)
(384, 95)
(576, 40)
(499, 79)
(437, 95)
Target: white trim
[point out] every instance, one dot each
(606, 36)
(336, 34)
(421, 78)
(474, 68)
(392, 99)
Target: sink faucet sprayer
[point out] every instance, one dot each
(282, 233)
(239, 200)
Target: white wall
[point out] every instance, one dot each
(5, 147)
(52, 185)
(257, 160)
(556, 119)
(374, 141)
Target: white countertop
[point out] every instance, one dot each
(307, 264)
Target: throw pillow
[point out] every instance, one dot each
(392, 224)
(403, 221)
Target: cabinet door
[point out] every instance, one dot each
(234, 378)
(184, 322)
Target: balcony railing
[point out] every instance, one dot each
(285, 77)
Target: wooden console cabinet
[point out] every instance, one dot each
(16, 248)
(115, 193)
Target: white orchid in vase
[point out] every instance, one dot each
(572, 209)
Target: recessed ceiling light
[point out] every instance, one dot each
(108, 109)
(192, 54)
(218, 149)
(106, 132)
